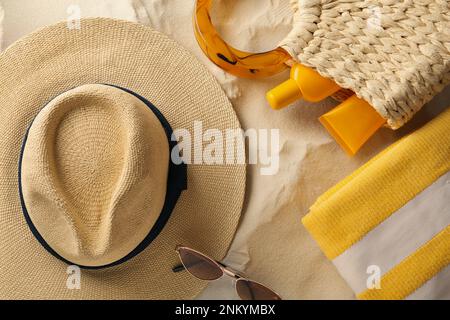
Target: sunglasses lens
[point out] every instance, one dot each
(249, 290)
(199, 265)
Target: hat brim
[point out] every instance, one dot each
(55, 59)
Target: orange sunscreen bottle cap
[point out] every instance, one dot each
(304, 83)
(352, 123)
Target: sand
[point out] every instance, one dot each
(2, 16)
(25, 16)
(271, 245)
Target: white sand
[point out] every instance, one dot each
(271, 245)
(25, 16)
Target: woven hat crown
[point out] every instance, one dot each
(94, 173)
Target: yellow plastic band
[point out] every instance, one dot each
(356, 205)
(414, 271)
(237, 62)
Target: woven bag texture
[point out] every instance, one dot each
(395, 54)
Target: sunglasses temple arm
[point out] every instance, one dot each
(178, 268)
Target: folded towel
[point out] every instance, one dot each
(391, 218)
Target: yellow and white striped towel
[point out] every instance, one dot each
(392, 214)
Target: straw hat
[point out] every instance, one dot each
(87, 179)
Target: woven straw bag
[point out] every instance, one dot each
(395, 54)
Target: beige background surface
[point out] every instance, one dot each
(271, 245)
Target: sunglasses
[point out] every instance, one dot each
(204, 268)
